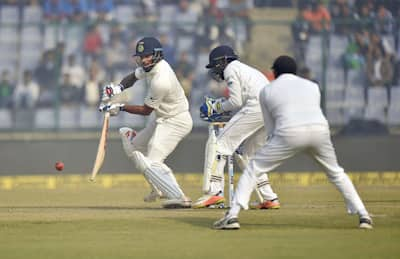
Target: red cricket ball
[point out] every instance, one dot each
(59, 166)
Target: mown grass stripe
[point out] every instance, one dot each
(118, 180)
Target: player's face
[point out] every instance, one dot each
(144, 61)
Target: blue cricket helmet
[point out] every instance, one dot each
(149, 46)
(219, 58)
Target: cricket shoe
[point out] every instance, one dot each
(365, 222)
(184, 203)
(266, 205)
(210, 201)
(227, 223)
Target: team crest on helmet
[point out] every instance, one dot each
(140, 47)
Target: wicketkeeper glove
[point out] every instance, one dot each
(110, 90)
(211, 107)
(112, 108)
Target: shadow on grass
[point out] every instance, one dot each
(207, 222)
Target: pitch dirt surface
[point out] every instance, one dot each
(91, 222)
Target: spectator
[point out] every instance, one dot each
(300, 32)
(101, 10)
(54, 10)
(46, 74)
(365, 17)
(240, 9)
(97, 70)
(184, 71)
(355, 53)
(317, 15)
(344, 17)
(214, 24)
(186, 19)
(76, 10)
(93, 43)
(384, 21)
(92, 91)
(69, 94)
(168, 50)
(6, 89)
(148, 9)
(76, 72)
(115, 55)
(379, 68)
(26, 93)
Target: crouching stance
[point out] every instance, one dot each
(292, 115)
(172, 121)
(245, 128)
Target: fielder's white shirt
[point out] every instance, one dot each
(289, 102)
(244, 83)
(165, 93)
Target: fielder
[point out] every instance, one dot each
(172, 121)
(245, 128)
(294, 119)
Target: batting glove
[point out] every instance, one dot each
(112, 108)
(110, 90)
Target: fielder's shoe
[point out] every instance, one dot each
(272, 204)
(153, 196)
(209, 201)
(227, 223)
(184, 203)
(365, 222)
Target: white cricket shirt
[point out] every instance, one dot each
(289, 102)
(165, 93)
(244, 83)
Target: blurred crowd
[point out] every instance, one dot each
(67, 49)
(372, 30)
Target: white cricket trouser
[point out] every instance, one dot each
(316, 141)
(161, 136)
(246, 127)
(156, 141)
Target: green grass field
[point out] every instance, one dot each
(91, 222)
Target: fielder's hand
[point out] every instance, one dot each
(112, 108)
(110, 90)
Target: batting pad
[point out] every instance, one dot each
(127, 134)
(161, 176)
(158, 175)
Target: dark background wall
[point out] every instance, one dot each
(355, 153)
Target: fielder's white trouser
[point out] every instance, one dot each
(316, 141)
(157, 140)
(246, 127)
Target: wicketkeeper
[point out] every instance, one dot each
(245, 128)
(172, 121)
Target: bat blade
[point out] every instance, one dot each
(101, 149)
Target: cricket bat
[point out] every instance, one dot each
(101, 150)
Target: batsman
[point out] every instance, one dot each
(244, 129)
(172, 121)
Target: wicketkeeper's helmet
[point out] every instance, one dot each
(219, 58)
